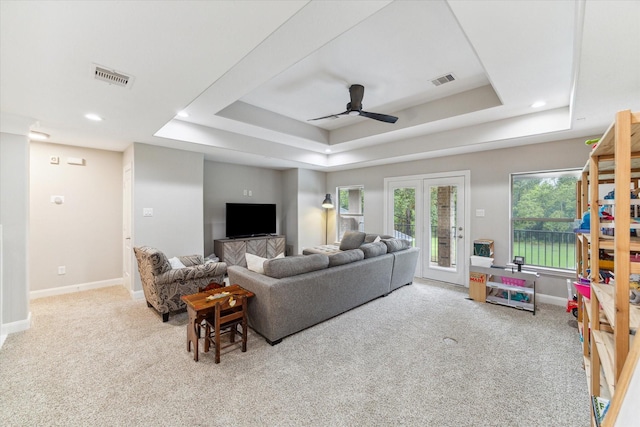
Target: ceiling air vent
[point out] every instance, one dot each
(442, 80)
(112, 77)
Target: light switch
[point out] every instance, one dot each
(147, 211)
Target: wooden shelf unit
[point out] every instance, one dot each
(606, 331)
(480, 282)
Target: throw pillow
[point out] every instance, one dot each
(176, 263)
(352, 240)
(255, 263)
(377, 239)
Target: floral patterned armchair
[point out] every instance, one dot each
(163, 285)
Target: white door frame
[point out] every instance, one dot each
(388, 202)
(127, 243)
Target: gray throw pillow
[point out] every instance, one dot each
(352, 240)
(346, 257)
(279, 268)
(395, 245)
(371, 250)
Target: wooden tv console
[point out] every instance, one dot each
(232, 251)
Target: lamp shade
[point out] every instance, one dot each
(327, 203)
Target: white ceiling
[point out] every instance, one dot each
(251, 73)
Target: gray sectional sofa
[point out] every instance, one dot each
(297, 292)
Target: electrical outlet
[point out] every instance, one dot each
(147, 212)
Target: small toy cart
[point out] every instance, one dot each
(572, 300)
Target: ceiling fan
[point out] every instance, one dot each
(354, 108)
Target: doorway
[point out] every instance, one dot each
(431, 211)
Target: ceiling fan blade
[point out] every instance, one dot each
(357, 93)
(382, 117)
(335, 116)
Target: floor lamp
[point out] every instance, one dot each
(327, 204)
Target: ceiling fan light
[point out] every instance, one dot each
(354, 113)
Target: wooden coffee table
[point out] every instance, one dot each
(199, 308)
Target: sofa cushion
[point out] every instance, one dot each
(345, 257)
(352, 240)
(370, 238)
(371, 250)
(321, 249)
(279, 268)
(394, 245)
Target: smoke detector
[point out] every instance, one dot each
(443, 79)
(113, 77)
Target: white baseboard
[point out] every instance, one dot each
(550, 299)
(18, 326)
(74, 288)
(136, 294)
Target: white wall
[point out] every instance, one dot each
(171, 183)
(490, 188)
(84, 233)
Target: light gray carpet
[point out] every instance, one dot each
(422, 356)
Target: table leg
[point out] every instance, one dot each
(192, 334)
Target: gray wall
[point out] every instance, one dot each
(311, 216)
(14, 217)
(171, 183)
(290, 208)
(84, 233)
(225, 182)
(489, 188)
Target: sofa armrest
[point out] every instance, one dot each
(200, 271)
(261, 306)
(191, 260)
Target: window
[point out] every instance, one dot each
(350, 209)
(543, 210)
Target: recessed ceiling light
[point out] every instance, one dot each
(94, 117)
(40, 136)
(538, 104)
(328, 150)
(183, 114)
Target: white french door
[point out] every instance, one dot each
(404, 201)
(430, 210)
(445, 230)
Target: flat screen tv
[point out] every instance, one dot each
(250, 219)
